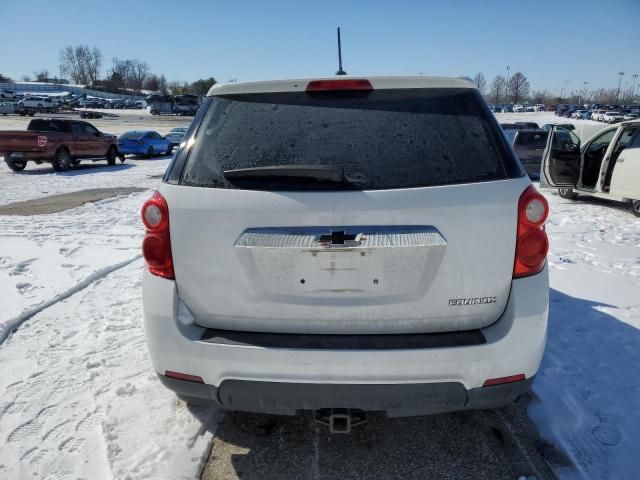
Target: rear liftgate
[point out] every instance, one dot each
(358, 241)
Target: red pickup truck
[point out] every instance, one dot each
(63, 143)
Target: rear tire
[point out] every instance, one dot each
(16, 165)
(61, 160)
(635, 207)
(150, 152)
(567, 193)
(112, 155)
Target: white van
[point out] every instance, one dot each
(606, 166)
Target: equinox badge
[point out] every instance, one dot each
(458, 302)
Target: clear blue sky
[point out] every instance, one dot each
(549, 41)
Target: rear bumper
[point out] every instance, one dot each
(283, 398)
(400, 381)
(23, 156)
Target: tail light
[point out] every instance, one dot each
(361, 84)
(532, 243)
(156, 246)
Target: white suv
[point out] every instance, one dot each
(37, 102)
(346, 243)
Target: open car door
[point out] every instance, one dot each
(561, 159)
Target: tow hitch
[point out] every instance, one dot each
(340, 420)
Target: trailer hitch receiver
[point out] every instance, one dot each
(340, 420)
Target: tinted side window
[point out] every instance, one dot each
(383, 139)
(90, 129)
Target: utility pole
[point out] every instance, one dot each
(584, 91)
(506, 86)
(619, 82)
(563, 92)
(340, 70)
(633, 89)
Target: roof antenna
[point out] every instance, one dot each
(340, 70)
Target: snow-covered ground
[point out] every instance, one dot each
(587, 388)
(79, 399)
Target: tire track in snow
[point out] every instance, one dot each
(12, 324)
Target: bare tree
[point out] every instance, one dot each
(69, 64)
(139, 73)
(605, 96)
(202, 86)
(26, 78)
(178, 88)
(81, 63)
(480, 83)
(94, 62)
(41, 76)
(152, 83)
(541, 96)
(497, 88)
(518, 87)
(163, 85)
(120, 73)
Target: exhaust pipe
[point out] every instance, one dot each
(340, 420)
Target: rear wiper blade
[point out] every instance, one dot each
(322, 173)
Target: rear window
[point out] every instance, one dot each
(382, 139)
(48, 126)
(532, 139)
(131, 136)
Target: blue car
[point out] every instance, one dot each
(143, 142)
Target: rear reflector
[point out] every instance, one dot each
(346, 84)
(183, 376)
(502, 380)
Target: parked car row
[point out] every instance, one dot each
(510, 108)
(607, 114)
(107, 103)
(30, 104)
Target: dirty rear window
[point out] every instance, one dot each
(383, 139)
